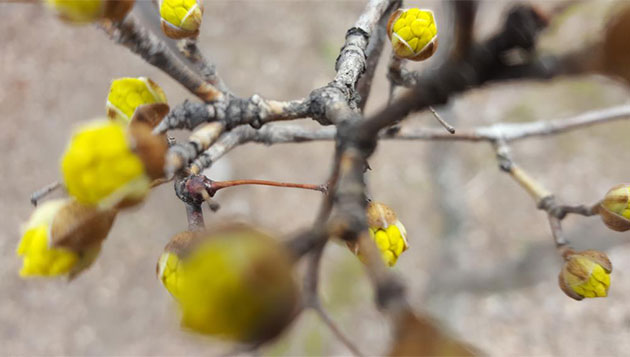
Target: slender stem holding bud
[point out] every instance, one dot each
(217, 185)
(194, 213)
(560, 211)
(445, 124)
(43, 192)
(545, 200)
(556, 230)
(398, 75)
(142, 42)
(189, 49)
(533, 187)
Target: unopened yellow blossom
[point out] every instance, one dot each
(586, 274)
(614, 209)
(169, 272)
(413, 33)
(63, 237)
(100, 168)
(86, 11)
(617, 200)
(127, 94)
(181, 18)
(235, 283)
(386, 230)
(391, 241)
(78, 11)
(39, 258)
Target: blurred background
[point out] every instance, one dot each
(481, 257)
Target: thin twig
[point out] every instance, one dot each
(556, 231)
(194, 213)
(291, 133)
(218, 185)
(443, 122)
(44, 191)
(560, 211)
(532, 186)
(189, 49)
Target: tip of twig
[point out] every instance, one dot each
(443, 122)
(44, 191)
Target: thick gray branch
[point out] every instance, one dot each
(254, 111)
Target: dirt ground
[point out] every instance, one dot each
(481, 258)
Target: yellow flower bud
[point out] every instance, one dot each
(181, 18)
(413, 33)
(86, 11)
(388, 233)
(234, 283)
(127, 94)
(169, 267)
(63, 237)
(585, 274)
(106, 163)
(615, 208)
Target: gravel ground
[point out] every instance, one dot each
(481, 257)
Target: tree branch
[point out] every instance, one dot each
(142, 42)
(254, 111)
(189, 49)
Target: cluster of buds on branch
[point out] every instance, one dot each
(236, 282)
(108, 165)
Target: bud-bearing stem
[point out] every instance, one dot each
(141, 41)
(194, 214)
(189, 49)
(533, 187)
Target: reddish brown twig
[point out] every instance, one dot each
(215, 186)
